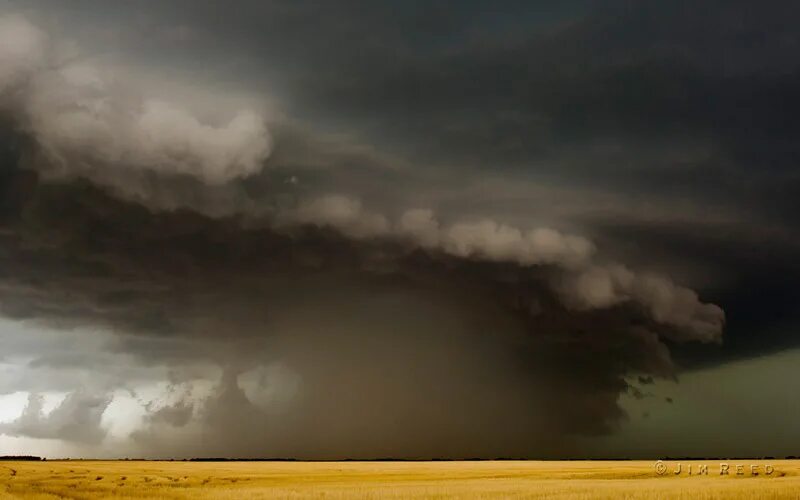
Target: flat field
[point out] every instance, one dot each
(338, 480)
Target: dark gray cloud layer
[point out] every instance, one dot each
(383, 336)
(365, 193)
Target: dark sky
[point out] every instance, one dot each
(409, 229)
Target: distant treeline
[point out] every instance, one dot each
(210, 459)
(21, 457)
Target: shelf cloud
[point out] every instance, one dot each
(339, 275)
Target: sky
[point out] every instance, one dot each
(399, 229)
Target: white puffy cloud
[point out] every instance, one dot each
(342, 213)
(598, 287)
(499, 242)
(420, 225)
(490, 240)
(78, 418)
(100, 122)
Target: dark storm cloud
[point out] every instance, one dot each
(693, 106)
(665, 98)
(250, 296)
(366, 233)
(508, 82)
(243, 293)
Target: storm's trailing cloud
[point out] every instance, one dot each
(77, 418)
(379, 244)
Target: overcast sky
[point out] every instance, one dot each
(399, 229)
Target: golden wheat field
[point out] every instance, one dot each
(338, 480)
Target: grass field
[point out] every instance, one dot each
(490, 479)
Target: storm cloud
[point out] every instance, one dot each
(452, 244)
